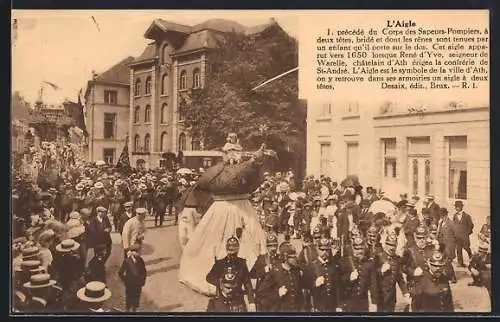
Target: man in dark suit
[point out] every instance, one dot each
(433, 209)
(100, 230)
(464, 227)
(447, 240)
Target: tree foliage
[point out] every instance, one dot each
(227, 102)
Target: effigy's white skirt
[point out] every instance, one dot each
(208, 241)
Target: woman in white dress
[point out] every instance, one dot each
(229, 184)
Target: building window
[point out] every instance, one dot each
(324, 167)
(137, 88)
(137, 143)
(195, 144)
(457, 164)
(390, 163)
(181, 113)
(207, 162)
(182, 142)
(109, 125)
(352, 108)
(148, 86)
(164, 58)
(326, 110)
(415, 177)
(164, 83)
(137, 114)
(352, 158)
(427, 179)
(108, 156)
(147, 114)
(163, 115)
(163, 141)
(147, 143)
(196, 78)
(111, 97)
(183, 80)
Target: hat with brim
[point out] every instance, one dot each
(67, 245)
(128, 204)
(94, 292)
(39, 281)
(75, 231)
(30, 252)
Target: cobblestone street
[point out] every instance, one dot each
(163, 292)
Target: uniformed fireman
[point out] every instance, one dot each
(240, 269)
(261, 269)
(435, 287)
(390, 272)
(284, 286)
(228, 298)
(307, 255)
(414, 262)
(373, 242)
(359, 277)
(325, 273)
(480, 267)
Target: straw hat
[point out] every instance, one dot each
(39, 281)
(75, 228)
(94, 292)
(30, 253)
(67, 245)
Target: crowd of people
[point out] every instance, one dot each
(352, 256)
(325, 247)
(62, 224)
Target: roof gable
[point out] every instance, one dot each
(118, 73)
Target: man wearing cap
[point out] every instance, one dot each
(134, 230)
(99, 230)
(435, 287)
(414, 261)
(307, 255)
(133, 274)
(284, 285)
(125, 215)
(410, 223)
(480, 267)
(240, 269)
(447, 238)
(260, 271)
(374, 248)
(432, 209)
(227, 299)
(358, 277)
(159, 201)
(464, 227)
(389, 270)
(326, 277)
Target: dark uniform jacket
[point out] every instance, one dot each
(221, 303)
(293, 300)
(258, 271)
(240, 268)
(436, 293)
(327, 297)
(484, 268)
(355, 293)
(96, 234)
(414, 257)
(388, 280)
(307, 256)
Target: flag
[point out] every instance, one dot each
(124, 161)
(54, 86)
